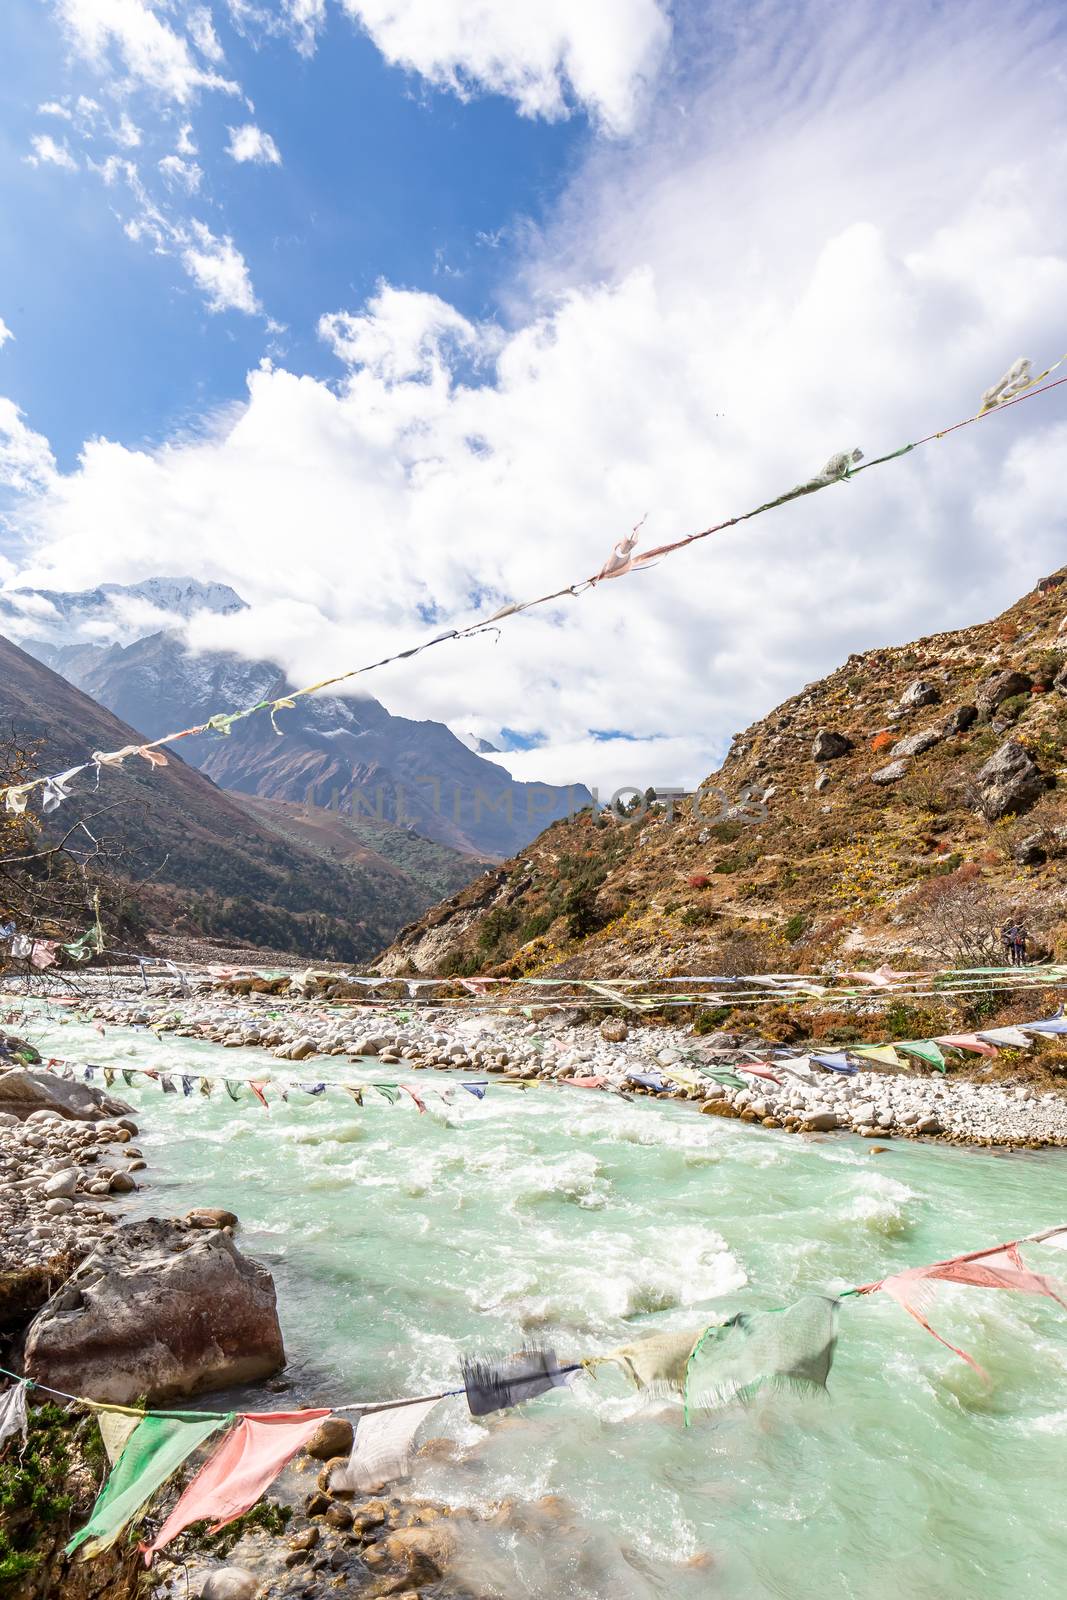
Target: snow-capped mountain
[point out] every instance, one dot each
(112, 612)
(337, 752)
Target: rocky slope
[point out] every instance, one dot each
(348, 754)
(193, 859)
(899, 809)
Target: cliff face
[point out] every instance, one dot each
(900, 809)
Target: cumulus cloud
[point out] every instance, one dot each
(711, 318)
(249, 143)
(26, 460)
(47, 152)
(600, 54)
(132, 36)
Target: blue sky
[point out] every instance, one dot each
(390, 312)
(382, 176)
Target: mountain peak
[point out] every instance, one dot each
(112, 613)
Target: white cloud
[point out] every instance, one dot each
(179, 174)
(26, 461)
(842, 249)
(305, 19)
(52, 108)
(127, 134)
(186, 144)
(47, 152)
(249, 143)
(219, 269)
(152, 54)
(599, 53)
(5, 333)
(202, 32)
(403, 334)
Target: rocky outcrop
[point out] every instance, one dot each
(1000, 687)
(891, 773)
(158, 1310)
(959, 721)
(22, 1092)
(1010, 781)
(828, 746)
(920, 693)
(915, 744)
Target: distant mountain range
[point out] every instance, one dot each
(200, 861)
(344, 754)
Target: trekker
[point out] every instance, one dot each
(1021, 936)
(1009, 938)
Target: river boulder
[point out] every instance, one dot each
(23, 1092)
(159, 1310)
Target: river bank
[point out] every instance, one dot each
(1011, 1105)
(399, 1243)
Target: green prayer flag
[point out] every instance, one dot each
(926, 1050)
(127, 1077)
(725, 1076)
(156, 1449)
(389, 1091)
(788, 1349)
(232, 1089)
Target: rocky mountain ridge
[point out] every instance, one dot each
(193, 859)
(898, 809)
(345, 753)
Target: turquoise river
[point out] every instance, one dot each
(400, 1242)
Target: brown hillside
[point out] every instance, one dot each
(899, 809)
(193, 859)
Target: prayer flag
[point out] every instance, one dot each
(966, 1041)
(187, 1085)
(13, 1413)
(835, 1061)
(155, 1451)
(388, 1091)
(657, 1364)
(257, 1086)
(476, 1089)
(167, 1084)
(883, 1054)
(313, 1088)
(408, 1090)
(233, 1089)
(356, 1091)
(926, 1050)
(381, 1447)
(496, 1385)
(109, 1076)
(1002, 1267)
(789, 1349)
(116, 1426)
(205, 1087)
(239, 1472)
(127, 1077)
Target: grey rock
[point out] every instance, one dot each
(1030, 852)
(916, 743)
(1010, 781)
(58, 1206)
(230, 1583)
(960, 720)
(23, 1090)
(920, 693)
(891, 773)
(822, 781)
(822, 1120)
(157, 1310)
(828, 746)
(62, 1185)
(614, 1030)
(1000, 687)
(928, 1125)
(302, 1048)
(865, 1112)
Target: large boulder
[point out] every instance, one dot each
(891, 773)
(159, 1310)
(828, 746)
(1000, 687)
(920, 693)
(915, 744)
(1010, 781)
(23, 1092)
(960, 720)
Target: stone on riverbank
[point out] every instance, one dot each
(160, 1311)
(23, 1092)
